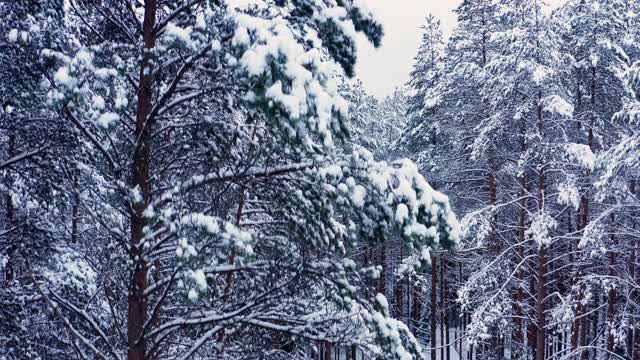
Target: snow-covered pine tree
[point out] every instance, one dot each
(543, 169)
(216, 209)
(36, 215)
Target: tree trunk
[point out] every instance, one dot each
(611, 306)
(327, 354)
(397, 294)
(532, 334)
(494, 246)
(519, 334)
(9, 270)
(382, 285)
(578, 330)
(417, 308)
(442, 308)
(463, 321)
(232, 256)
(137, 302)
(434, 305)
(635, 337)
(584, 327)
(409, 301)
(540, 319)
(74, 212)
(446, 321)
(584, 322)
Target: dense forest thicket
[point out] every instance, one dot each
(529, 120)
(204, 179)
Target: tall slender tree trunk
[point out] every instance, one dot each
(446, 316)
(584, 328)
(442, 308)
(493, 199)
(417, 308)
(519, 333)
(137, 302)
(9, 268)
(494, 245)
(635, 336)
(575, 327)
(581, 326)
(532, 334)
(232, 256)
(409, 301)
(540, 316)
(540, 319)
(611, 306)
(462, 320)
(636, 330)
(74, 211)
(434, 305)
(327, 353)
(382, 284)
(445, 353)
(579, 321)
(397, 293)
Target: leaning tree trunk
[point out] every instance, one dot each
(137, 302)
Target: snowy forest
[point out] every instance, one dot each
(209, 179)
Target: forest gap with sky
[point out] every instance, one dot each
(387, 67)
(320, 179)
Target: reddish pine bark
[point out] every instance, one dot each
(327, 353)
(137, 302)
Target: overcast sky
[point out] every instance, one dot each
(384, 69)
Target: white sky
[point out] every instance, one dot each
(384, 69)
